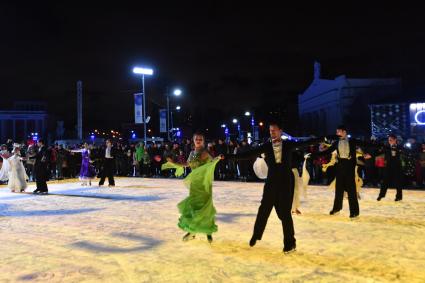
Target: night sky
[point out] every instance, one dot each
(228, 58)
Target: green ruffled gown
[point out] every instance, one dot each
(197, 210)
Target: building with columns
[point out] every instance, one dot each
(327, 103)
(25, 118)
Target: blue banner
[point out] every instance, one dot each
(163, 120)
(138, 108)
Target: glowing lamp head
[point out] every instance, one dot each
(142, 71)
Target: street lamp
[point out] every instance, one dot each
(247, 113)
(143, 72)
(176, 92)
(235, 121)
(171, 116)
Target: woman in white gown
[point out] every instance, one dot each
(4, 168)
(16, 171)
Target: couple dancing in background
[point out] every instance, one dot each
(14, 171)
(88, 172)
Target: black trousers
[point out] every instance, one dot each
(108, 171)
(345, 181)
(41, 184)
(392, 178)
(278, 193)
(41, 177)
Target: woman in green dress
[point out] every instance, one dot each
(197, 212)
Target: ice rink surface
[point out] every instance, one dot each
(129, 233)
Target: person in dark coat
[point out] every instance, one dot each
(279, 187)
(345, 170)
(108, 155)
(393, 176)
(41, 168)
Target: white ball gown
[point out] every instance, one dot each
(17, 175)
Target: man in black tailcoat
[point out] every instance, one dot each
(278, 189)
(41, 168)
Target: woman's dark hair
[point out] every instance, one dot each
(392, 136)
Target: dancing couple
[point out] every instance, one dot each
(197, 210)
(13, 170)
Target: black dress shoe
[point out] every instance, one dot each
(290, 249)
(354, 216)
(379, 198)
(253, 241)
(398, 199)
(37, 191)
(332, 212)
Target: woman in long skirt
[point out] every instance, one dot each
(87, 172)
(197, 211)
(16, 171)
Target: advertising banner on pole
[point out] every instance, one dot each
(138, 108)
(163, 120)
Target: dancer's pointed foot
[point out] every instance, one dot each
(188, 237)
(379, 198)
(333, 212)
(298, 212)
(210, 239)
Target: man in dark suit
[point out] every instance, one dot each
(278, 189)
(41, 168)
(345, 171)
(393, 175)
(108, 155)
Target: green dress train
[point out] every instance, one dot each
(197, 210)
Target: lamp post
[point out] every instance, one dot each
(226, 131)
(238, 125)
(247, 113)
(176, 92)
(143, 72)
